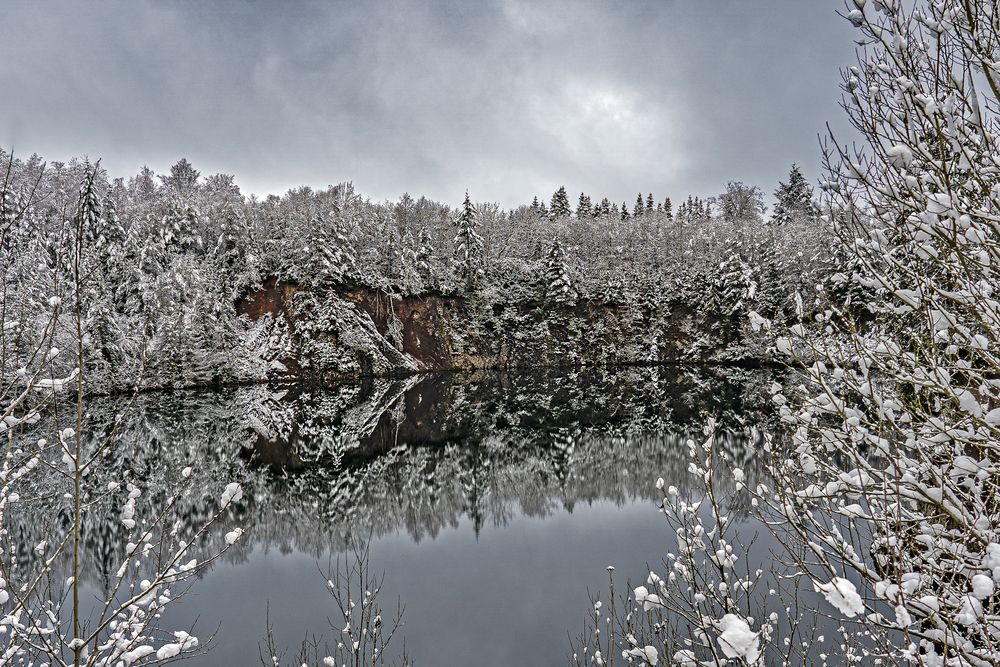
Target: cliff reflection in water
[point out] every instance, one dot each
(322, 466)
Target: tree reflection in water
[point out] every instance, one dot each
(323, 466)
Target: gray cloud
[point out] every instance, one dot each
(509, 98)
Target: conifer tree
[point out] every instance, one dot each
(89, 207)
(583, 207)
(110, 244)
(794, 199)
(230, 250)
(668, 209)
(179, 228)
(560, 203)
(333, 247)
(649, 203)
(469, 244)
(558, 286)
(625, 215)
(425, 251)
(183, 177)
(605, 206)
(640, 207)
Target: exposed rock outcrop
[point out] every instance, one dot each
(340, 332)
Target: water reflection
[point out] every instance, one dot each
(550, 473)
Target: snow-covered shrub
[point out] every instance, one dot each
(884, 500)
(365, 631)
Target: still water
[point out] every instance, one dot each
(492, 503)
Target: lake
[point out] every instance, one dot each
(492, 502)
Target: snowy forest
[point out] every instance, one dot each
(177, 267)
(805, 394)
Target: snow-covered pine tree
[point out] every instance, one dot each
(668, 209)
(114, 228)
(469, 244)
(90, 264)
(605, 207)
(89, 207)
(584, 209)
(337, 249)
(649, 203)
(640, 207)
(425, 253)
(179, 228)
(560, 203)
(230, 249)
(558, 286)
(794, 199)
(182, 179)
(625, 215)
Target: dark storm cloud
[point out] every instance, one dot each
(508, 99)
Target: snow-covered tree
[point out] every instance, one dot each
(182, 179)
(794, 198)
(469, 244)
(884, 497)
(558, 285)
(898, 416)
(45, 610)
(425, 254)
(603, 208)
(336, 248)
(560, 203)
(741, 202)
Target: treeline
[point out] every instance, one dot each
(167, 256)
(739, 202)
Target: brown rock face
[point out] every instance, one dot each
(376, 332)
(332, 333)
(272, 298)
(422, 320)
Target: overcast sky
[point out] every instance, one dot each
(508, 99)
